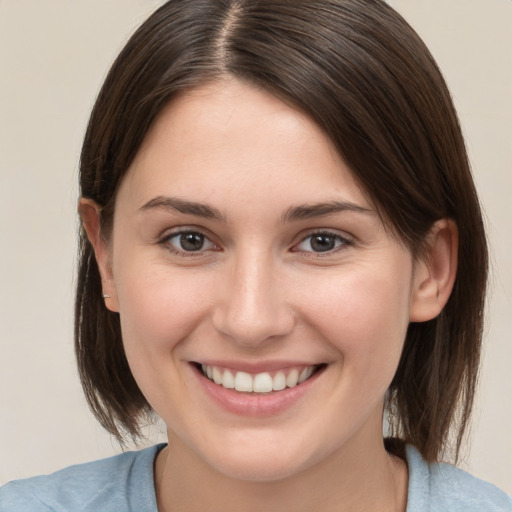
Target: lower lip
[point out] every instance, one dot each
(255, 404)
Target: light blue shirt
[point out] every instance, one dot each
(124, 483)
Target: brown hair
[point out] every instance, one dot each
(360, 71)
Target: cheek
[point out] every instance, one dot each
(364, 316)
(158, 305)
(158, 310)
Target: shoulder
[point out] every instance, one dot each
(122, 482)
(439, 487)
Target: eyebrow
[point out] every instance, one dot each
(295, 213)
(188, 207)
(313, 211)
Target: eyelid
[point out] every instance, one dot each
(164, 241)
(345, 241)
(167, 236)
(169, 232)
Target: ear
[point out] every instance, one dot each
(435, 272)
(90, 213)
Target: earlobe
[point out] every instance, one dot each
(90, 213)
(435, 273)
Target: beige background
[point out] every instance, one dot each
(53, 57)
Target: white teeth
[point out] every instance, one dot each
(228, 381)
(305, 374)
(259, 383)
(243, 381)
(292, 378)
(279, 381)
(262, 383)
(217, 376)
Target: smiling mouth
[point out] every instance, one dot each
(264, 382)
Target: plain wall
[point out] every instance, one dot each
(53, 57)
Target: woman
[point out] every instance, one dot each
(281, 241)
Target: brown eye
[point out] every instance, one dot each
(188, 242)
(322, 242)
(191, 241)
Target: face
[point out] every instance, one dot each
(244, 254)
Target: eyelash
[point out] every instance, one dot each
(165, 241)
(341, 242)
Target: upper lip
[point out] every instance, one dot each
(255, 367)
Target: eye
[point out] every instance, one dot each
(321, 242)
(188, 242)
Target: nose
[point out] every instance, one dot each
(252, 308)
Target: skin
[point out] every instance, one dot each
(258, 291)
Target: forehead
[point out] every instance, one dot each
(230, 138)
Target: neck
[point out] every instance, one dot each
(358, 477)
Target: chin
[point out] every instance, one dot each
(259, 470)
(261, 461)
